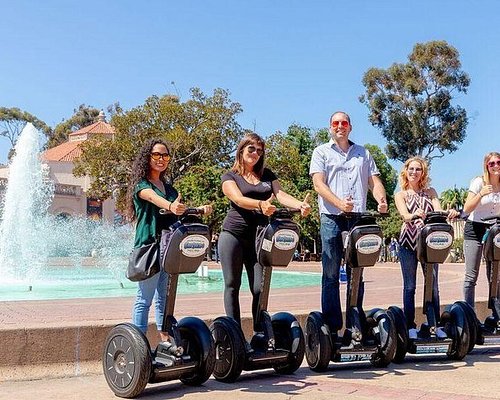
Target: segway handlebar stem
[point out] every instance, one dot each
(189, 211)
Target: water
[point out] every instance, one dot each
(60, 283)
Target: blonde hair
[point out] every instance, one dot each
(486, 173)
(424, 179)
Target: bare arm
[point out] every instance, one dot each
(176, 207)
(290, 201)
(399, 198)
(473, 199)
(377, 187)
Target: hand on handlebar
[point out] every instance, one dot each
(177, 207)
(206, 209)
(305, 207)
(347, 205)
(452, 214)
(382, 206)
(419, 214)
(267, 207)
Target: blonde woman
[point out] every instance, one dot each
(413, 202)
(482, 201)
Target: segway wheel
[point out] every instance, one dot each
(289, 337)
(199, 345)
(126, 360)
(386, 338)
(318, 343)
(458, 329)
(475, 335)
(402, 338)
(229, 349)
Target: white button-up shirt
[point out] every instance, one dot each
(346, 174)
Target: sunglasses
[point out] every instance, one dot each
(415, 169)
(156, 156)
(252, 149)
(491, 164)
(343, 124)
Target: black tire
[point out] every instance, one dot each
(229, 349)
(289, 336)
(386, 338)
(402, 338)
(318, 342)
(458, 329)
(475, 336)
(127, 361)
(199, 345)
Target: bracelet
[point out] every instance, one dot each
(170, 207)
(260, 205)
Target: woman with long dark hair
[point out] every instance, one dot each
(148, 193)
(250, 187)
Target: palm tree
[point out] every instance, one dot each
(453, 198)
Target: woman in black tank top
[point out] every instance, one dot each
(250, 188)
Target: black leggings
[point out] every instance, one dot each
(235, 252)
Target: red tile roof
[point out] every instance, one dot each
(96, 127)
(69, 151)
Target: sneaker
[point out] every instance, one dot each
(441, 334)
(248, 348)
(169, 348)
(413, 333)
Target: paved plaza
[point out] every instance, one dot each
(35, 362)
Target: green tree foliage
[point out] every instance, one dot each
(202, 132)
(13, 120)
(82, 116)
(391, 225)
(388, 175)
(411, 103)
(453, 198)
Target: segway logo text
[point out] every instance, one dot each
(369, 244)
(496, 240)
(285, 239)
(194, 246)
(439, 240)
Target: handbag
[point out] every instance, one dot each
(144, 262)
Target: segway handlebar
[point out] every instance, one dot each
(355, 214)
(491, 218)
(189, 211)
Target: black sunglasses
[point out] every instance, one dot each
(253, 149)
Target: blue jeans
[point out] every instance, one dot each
(331, 230)
(409, 261)
(154, 287)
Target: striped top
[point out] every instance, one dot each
(409, 230)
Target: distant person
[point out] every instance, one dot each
(250, 187)
(147, 194)
(215, 242)
(342, 172)
(482, 201)
(415, 199)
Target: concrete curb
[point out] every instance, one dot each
(74, 350)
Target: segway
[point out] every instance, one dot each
(281, 344)
(128, 361)
(488, 332)
(370, 337)
(446, 334)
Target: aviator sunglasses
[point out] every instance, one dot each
(343, 124)
(156, 156)
(492, 164)
(252, 149)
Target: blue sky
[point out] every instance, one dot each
(284, 61)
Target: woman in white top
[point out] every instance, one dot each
(482, 201)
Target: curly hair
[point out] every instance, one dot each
(486, 172)
(248, 139)
(424, 179)
(140, 170)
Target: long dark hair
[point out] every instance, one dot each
(140, 170)
(248, 139)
